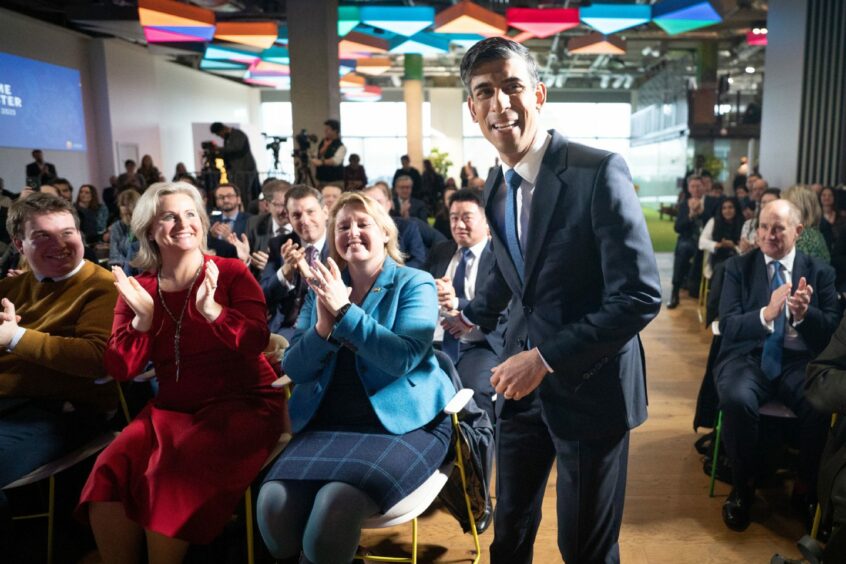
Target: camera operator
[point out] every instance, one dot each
(330, 156)
(240, 164)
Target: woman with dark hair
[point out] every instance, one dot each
(830, 220)
(149, 171)
(721, 238)
(93, 216)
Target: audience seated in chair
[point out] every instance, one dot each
(55, 323)
(368, 400)
(283, 287)
(405, 205)
(409, 238)
(228, 223)
(811, 241)
(778, 310)
(264, 227)
(720, 240)
(689, 222)
(178, 470)
(458, 266)
(123, 244)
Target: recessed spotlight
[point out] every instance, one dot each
(750, 70)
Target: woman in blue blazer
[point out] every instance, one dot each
(367, 408)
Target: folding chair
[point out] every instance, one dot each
(49, 472)
(410, 507)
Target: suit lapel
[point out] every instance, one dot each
(549, 186)
(381, 287)
(800, 269)
(446, 256)
(760, 280)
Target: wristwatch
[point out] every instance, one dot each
(342, 311)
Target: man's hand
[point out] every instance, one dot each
(220, 230)
(241, 244)
(292, 254)
(800, 300)
(446, 293)
(518, 376)
(455, 325)
(696, 207)
(259, 259)
(8, 323)
(405, 209)
(777, 301)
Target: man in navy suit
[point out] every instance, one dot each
(406, 205)
(284, 289)
(459, 267)
(410, 239)
(574, 259)
(778, 310)
(227, 219)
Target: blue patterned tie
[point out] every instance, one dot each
(451, 345)
(774, 345)
(512, 239)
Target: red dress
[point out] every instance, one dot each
(182, 465)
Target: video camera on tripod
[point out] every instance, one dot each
(273, 146)
(302, 164)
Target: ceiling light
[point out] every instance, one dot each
(750, 70)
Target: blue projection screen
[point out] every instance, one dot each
(40, 105)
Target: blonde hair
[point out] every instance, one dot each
(144, 215)
(807, 202)
(375, 211)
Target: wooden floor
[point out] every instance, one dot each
(669, 518)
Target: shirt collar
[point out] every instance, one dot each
(233, 216)
(529, 166)
(78, 267)
(786, 261)
(319, 244)
(477, 248)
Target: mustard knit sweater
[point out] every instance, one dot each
(67, 326)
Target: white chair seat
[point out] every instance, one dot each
(52, 468)
(414, 503)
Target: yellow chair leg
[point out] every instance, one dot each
(460, 463)
(414, 541)
(248, 519)
(51, 510)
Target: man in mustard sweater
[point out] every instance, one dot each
(56, 318)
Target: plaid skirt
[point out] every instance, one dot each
(386, 467)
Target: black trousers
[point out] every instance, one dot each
(743, 389)
(684, 253)
(590, 490)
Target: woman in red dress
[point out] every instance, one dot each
(176, 473)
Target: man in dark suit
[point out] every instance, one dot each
(240, 164)
(459, 267)
(778, 310)
(409, 237)
(283, 288)
(689, 222)
(39, 172)
(574, 259)
(262, 228)
(405, 205)
(225, 220)
(407, 170)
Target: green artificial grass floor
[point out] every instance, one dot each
(660, 231)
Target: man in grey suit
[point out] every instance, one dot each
(459, 267)
(575, 262)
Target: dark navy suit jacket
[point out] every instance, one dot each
(746, 289)
(590, 286)
(223, 248)
(437, 264)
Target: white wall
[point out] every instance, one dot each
(26, 37)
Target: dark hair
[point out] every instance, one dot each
(128, 162)
(334, 124)
(774, 191)
(217, 127)
(300, 191)
(272, 187)
(36, 203)
(405, 158)
(495, 49)
(466, 195)
(693, 177)
(354, 156)
(95, 198)
(228, 185)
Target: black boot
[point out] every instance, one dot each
(674, 299)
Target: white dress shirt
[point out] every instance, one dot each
(470, 274)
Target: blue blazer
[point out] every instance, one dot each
(589, 286)
(391, 334)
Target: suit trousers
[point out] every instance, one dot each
(474, 369)
(743, 389)
(590, 490)
(683, 255)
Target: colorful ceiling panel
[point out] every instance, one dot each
(679, 16)
(165, 21)
(423, 44)
(373, 66)
(611, 18)
(596, 44)
(348, 18)
(366, 94)
(542, 22)
(467, 17)
(254, 34)
(402, 20)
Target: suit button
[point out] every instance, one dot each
(528, 309)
